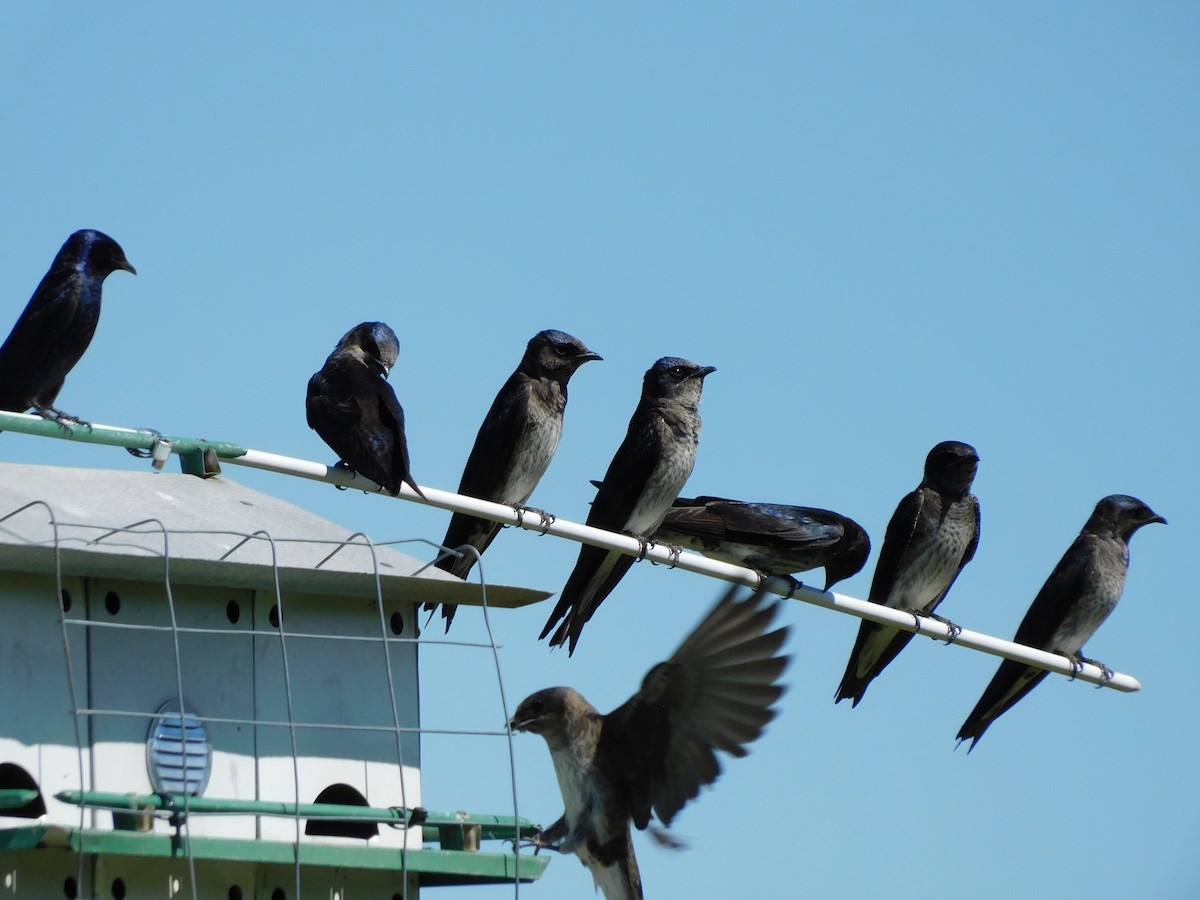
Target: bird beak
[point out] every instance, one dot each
(704, 370)
(127, 267)
(1156, 518)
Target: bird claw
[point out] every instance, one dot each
(63, 419)
(673, 553)
(538, 843)
(345, 467)
(795, 585)
(644, 546)
(952, 630)
(1106, 674)
(545, 519)
(1076, 666)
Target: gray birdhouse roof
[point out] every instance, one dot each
(132, 524)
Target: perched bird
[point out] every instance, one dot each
(57, 325)
(644, 478)
(515, 443)
(1077, 597)
(932, 534)
(655, 751)
(355, 411)
(772, 538)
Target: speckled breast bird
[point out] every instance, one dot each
(515, 444)
(932, 535)
(652, 754)
(1077, 597)
(645, 476)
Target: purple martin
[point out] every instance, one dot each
(57, 325)
(355, 411)
(645, 476)
(769, 537)
(515, 444)
(1077, 597)
(932, 534)
(656, 751)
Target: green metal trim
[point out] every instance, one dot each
(491, 827)
(431, 866)
(15, 798)
(190, 450)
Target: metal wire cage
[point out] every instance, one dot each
(226, 712)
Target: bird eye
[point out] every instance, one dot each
(560, 350)
(679, 371)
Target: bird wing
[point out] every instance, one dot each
(323, 408)
(597, 571)
(626, 479)
(896, 541)
(969, 554)
(488, 466)
(392, 437)
(32, 340)
(1064, 586)
(714, 693)
(757, 523)
(487, 475)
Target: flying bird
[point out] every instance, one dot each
(769, 537)
(355, 411)
(57, 325)
(515, 444)
(932, 535)
(1077, 597)
(645, 476)
(655, 752)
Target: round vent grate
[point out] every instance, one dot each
(178, 752)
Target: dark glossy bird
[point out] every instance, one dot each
(515, 444)
(645, 476)
(355, 411)
(769, 537)
(655, 752)
(932, 535)
(1077, 597)
(57, 325)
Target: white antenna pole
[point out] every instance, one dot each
(190, 450)
(532, 520)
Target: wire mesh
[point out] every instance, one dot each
(289, 640)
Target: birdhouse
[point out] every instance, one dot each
(208, 692)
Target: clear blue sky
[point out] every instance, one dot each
(885, 226)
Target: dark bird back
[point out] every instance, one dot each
(651, 755)
(645, 476)
(932, 535)
(355, 411)
(58, 323)
(1075, 600)
(772, 538)
(515, 444)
